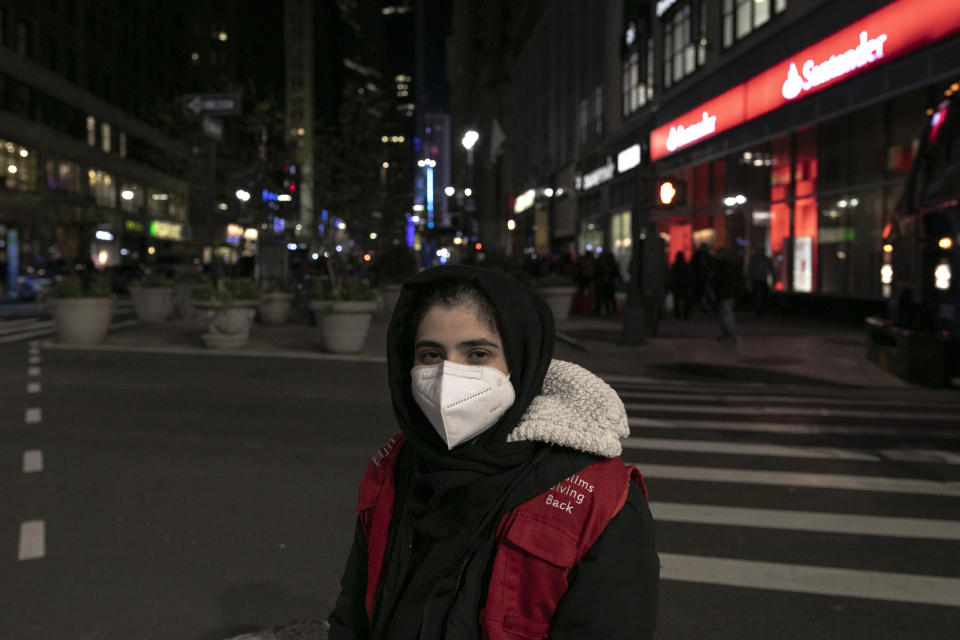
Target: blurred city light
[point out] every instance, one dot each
(449, 191)
(469, 139)
(242, 195)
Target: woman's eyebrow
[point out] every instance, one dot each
(428, 343)
(478, 342)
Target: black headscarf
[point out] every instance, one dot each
(449, 501)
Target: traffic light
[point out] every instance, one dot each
(671, 193)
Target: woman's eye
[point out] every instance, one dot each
(428, 356)
(479, 355)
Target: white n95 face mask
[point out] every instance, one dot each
(461, 401)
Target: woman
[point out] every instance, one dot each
(502, 509)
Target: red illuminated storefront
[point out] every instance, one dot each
(789, 162)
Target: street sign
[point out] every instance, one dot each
(213, 128)
(211, 104)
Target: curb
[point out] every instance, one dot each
(196, 351)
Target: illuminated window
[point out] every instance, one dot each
(684, 41)
(91, 131)
(105, 138)
(741, 17)
(637, 83)
(122, 144)
(598, 111)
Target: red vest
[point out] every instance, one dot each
(539, 541)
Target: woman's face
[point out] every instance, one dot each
(455, 334)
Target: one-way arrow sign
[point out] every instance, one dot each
(211, 104)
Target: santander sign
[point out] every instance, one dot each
(899, 28)
(815, 74)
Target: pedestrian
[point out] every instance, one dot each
(583, 297)
(701, 268)
(502, 509)
(759, 269)
(606, 274)
(724, 287)
(681, 284)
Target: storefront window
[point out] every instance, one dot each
(621, 241)
(590, 238)
(102, 188)
(805, 212)
(131, 198)
(65, 175)
(19, 166)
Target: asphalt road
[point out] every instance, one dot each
(197, 497)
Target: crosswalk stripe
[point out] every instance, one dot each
(876, 585)
(807, 521)
(798, 428)
(32, 540)
(932, 456)
(33, 415)
(803, 401)
(800, 479)
(798, 411)
(32, 461)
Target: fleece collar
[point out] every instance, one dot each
(576, 409)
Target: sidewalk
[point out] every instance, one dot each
(773, 349)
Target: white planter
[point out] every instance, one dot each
(274, 307)
(152, 304)
(559, 300)
(344, 325)
(81, 320)
(389, 294)
(228, 327)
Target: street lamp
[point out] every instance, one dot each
(242, 195)
(469, 139)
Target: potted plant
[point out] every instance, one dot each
(275, 305)
(152, 297)
(227, 312)
(81, 315)
(392, 268)
(557, 290)
(344, 314)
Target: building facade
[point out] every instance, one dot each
(788, 126)
(86, 179)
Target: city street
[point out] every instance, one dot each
(164, 495)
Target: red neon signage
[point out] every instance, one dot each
(891, 32)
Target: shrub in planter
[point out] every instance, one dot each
(227, 312)
(344, 315)
(152, 297)
(81, 315)
(275, 306)
(183, 286)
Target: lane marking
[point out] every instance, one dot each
(807, 429)
(33, 343)
(744, 449)
(33, 415)
(33, 360)
(874, 585)
(32, 461)
(33, 387)
(926, 528)
(921, 456)
(32, 540)
(33, 371)
(800, 400)
(800, 479)
(799, 411)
